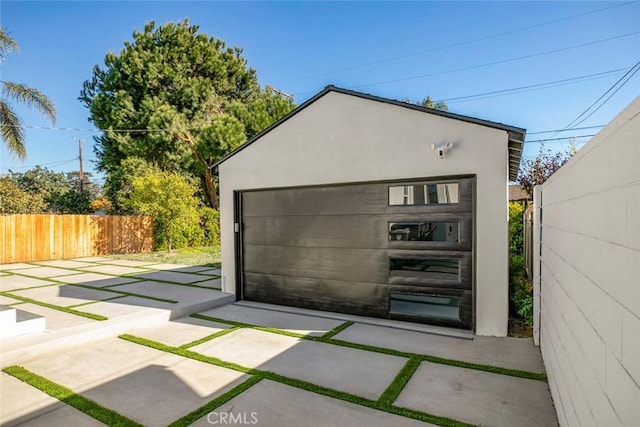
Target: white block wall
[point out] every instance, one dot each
(590, 279)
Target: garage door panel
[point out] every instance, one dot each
(351, 265)
(348, 231)
(331, 295)
(388, 249)
(340, 200)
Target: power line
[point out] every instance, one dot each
(503, 61)
(462, 43)
(544, 85)
(558, 139)
(564, 130)
(630, 73)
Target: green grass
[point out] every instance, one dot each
(206, 255)
(215, 403)
(337, 329)
(397, 385)
(81, 403)
(55, 307)
(210, 337)
(433, 359)
(304, 385)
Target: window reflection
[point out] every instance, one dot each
(443, 307)
(423, 194)
(425, 268)
(423, 231)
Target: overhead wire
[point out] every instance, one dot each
(628, 75)
(452, 45)
(488, 64)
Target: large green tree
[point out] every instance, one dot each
(178, 99)
(11, 127)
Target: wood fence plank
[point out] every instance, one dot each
(25, 238)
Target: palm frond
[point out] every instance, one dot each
(31, 97)
(11, 130)
(7, 43)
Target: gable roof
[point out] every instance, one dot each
(516, 135)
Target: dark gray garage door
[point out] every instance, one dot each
(387, 249)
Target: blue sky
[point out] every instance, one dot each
(391, 49)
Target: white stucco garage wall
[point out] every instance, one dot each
(341, 138)
(589, 279)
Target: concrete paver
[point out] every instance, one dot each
(8, 301)
(114, 269)
(44, 272)
(96, 280)
(210, 283)
(477, 397)
(66, 263)
(65, 295)
(172, 276)
(56, 320)
(126, 262)
(301, 324)
(331, 366)
(164, 290)
(272, 404)
(146, 385)
(123, 306)
(180, 331)
(213, 272)
(21, 402)
(91, 259)
(15, 266)
(8, 283)
(63, 417)
(513, 353)
(180, 268)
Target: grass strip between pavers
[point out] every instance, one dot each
(304, 385)
(337, 329)
(433, 359)
(55, 307)
(82, 304)
(192, 417)
(81, 403)
(210, 337)
(124, 293)
(400, 381)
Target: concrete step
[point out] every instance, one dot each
(7, 316)
(20, 349)
(24, 323)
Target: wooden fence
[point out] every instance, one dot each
(25, 238)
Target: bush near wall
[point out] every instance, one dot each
(201, 231)
(520, 288)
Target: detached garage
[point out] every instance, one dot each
(368, 206)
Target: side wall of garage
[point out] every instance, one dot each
(343, 139)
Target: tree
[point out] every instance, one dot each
(537, 171)
(187, 97)
(169, 198)
(14, 200)
(60, 191)
(12, 130)
(427, 102)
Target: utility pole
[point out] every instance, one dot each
(80, 173)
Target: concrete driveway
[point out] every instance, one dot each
(153, 363)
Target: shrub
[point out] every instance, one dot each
(210, 222)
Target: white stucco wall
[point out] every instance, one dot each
(342, 138)
(590, 279)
